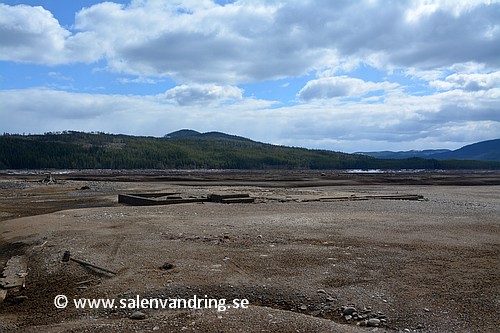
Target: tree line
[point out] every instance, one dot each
(97, 150)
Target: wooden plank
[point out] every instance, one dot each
(414, 197)
(14, 273)
(396, 197)
(219, 197)
(155, 195)
(237, 200)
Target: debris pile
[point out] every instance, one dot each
(364, 317)
(13, 279)
(48, 180)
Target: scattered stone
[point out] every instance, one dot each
(349, 310)
(85, 188)
(373, 322)
(427, 310)
(420, 326)
(364, 317)
(138, 315)
(166, 266)
(303, 307)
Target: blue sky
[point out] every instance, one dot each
(340, 75)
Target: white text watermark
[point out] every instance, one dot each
(139, 303)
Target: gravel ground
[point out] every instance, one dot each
(407, 266)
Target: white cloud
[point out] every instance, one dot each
(424, 75)
(59, 76)
(200, 42)
(453, 117)
(340, 86)
(30, 34)
(421, 8)
(139, 80)
(469, 82)
(208, 50)
(208, 94)
(33, 35)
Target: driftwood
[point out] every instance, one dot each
(67, 257)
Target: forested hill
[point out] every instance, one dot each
(188, 149)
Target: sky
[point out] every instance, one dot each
(342, 75)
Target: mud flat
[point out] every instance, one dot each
(303, 260)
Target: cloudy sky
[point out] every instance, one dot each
(342, 75)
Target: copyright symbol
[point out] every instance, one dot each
(61, 301)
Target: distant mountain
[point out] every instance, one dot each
(405, 154)
(183, 133)
(187, 133)
(188, 149)
(480, 151)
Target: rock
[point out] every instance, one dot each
(420, 326)
(303, 307)
(19, 299)
(138, 315)
(349, 310)
(427, 310)
(347, 317)
(167, 266)
(373, 322)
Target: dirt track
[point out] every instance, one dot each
(426, 266)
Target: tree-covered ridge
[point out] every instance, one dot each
(79, 150)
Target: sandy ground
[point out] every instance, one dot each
(427, 266)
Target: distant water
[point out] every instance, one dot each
(385, 171)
